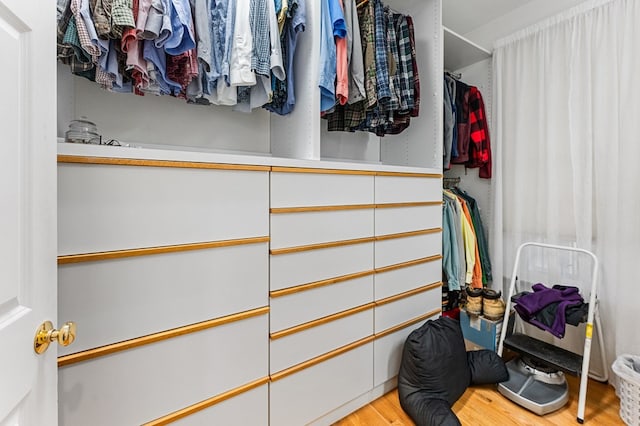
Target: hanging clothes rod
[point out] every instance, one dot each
(362, 3)
(455, 75)
(449, 183)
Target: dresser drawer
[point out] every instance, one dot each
(396, 281)
(306, 395)
(304, 306)
(305, 228)
(388, 315)
(233, 411)
(114, 207)
(387, 354)
(405, 248)
(320, 189)
(292, 349)
(403, 189)
(394, 220)
(164, 376)
(120, 299)
(293, 269)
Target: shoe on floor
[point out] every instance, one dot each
(474, 301)
(492, 305)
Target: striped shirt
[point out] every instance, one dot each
(382, 64)
(259, 21)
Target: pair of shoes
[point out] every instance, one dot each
(492, 305)
(474, 301)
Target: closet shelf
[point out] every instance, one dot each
(460, 52)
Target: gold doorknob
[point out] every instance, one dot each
(45, 334)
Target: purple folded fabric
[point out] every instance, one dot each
(530, 304)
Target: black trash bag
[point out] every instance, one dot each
(426, 411)
(434, 363)
(486, 367)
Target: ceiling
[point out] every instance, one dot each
(484, 21)
(464, 16)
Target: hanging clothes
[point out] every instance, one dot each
(199, 50)
(466, 139)
(386, 95)
(332, 25)
(463, 235)
(284, 98)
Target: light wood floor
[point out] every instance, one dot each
(484, 406)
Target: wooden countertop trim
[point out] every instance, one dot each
(317, 360)
(320, 321)
(407, 264)
(158, 163)
(316, 284)
(157, 337)
(176, 415)
(117, 254)
(408, 293)
(332, 244)
(321, 171)
(409, 204)
(408, 234)
(407, 324)
(278, 210)
(410, 174)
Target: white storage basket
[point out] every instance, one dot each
(627, 368)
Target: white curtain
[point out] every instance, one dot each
(567, 156)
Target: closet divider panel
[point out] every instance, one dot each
(146, 382)
(421, 144)
(119, 299)
(313, 392)
(105, 207)
(297, 135)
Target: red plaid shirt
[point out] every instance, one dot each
(480, 144)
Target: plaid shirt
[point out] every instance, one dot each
(394, 61)
(416, 78)
(85, 40)
(69, 50)
(259, 21)
(405, 63)
(101, 12)
(368, 39)
(382, 64)
(480, 144)
(121, 17)
(350, 117)
(402, 118)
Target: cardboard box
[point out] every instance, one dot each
(479, 331)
